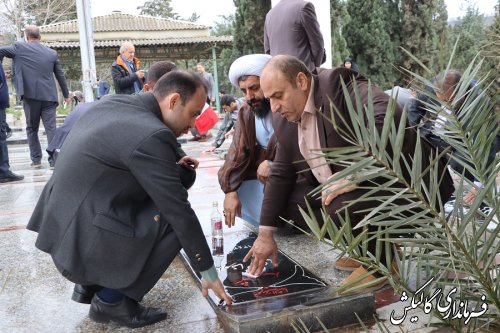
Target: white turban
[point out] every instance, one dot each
(251, 64)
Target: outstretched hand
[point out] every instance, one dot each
(140, 74)
(229, 133)
(264, 247)
(470, 196)
(218, 289)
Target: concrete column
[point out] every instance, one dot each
(322, 8)
(216, 80)
(86, 48)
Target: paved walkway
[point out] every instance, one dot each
(34, 297)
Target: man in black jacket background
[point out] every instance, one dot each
(128, 78)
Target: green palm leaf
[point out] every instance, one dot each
(446, 246)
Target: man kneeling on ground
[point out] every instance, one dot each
(115, 214)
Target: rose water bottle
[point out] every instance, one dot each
(217, 235)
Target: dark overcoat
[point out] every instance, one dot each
(115, 195)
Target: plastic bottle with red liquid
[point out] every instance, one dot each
(217, 235)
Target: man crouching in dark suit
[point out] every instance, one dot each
(114, 214)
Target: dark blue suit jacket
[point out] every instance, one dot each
(34, 68)
(4, 90)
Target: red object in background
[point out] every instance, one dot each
(206, 120)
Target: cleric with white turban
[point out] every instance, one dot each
(251, 64)
(252, 148)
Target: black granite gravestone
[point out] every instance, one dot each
(288, 277)
(270, 302)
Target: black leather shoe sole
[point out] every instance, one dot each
(127, 313)
(105, 319)
(8, 180)
(84, 294)
(11, 177)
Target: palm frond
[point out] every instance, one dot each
(409, 210)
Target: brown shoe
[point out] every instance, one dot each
(361, 281)
(347, 264)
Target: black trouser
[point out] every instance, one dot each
(4, 153)
(34, 110)
(163, 253)
(337, 210)
(166, 248)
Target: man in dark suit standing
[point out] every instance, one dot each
(34, 68)
(115, 214)
(305, 100)
(292, 28)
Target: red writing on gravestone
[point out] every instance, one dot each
(275, 274)
(271, 291)
(243, 282)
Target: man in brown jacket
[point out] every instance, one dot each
(302, 99)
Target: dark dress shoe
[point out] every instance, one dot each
(195, 138)
(83, 294)
(11, 177)
(205, 137)
(127, 312)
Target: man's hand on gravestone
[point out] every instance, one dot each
(218, 288)
(264, 247)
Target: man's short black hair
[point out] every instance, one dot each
(180, 81)
(227, 100)
(158, 69)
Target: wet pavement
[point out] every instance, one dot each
(34, 297)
